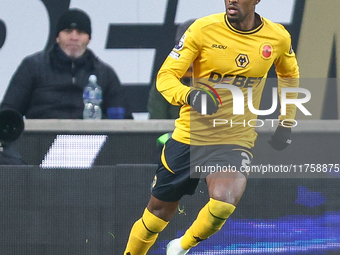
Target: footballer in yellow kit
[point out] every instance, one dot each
(222, 54)
(230, 53)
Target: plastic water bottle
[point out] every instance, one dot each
(92, 97)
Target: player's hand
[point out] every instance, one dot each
(281, 138)
(195, 100)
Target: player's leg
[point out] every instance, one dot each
(171, 182)
(162, 209)
(226, 187)
(225, 191)
(145, 231)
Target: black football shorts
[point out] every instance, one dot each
(182, 166)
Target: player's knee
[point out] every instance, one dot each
(229, 193)
(220, 209)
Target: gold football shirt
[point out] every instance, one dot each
(223, 55)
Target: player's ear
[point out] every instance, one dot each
(257, 1)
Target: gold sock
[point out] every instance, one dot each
(209, 220)
(144, 233)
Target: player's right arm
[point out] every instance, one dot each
(175, 66)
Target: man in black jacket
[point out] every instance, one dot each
(49, 84)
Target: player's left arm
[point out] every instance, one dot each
(287, 71)
(288, 74)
